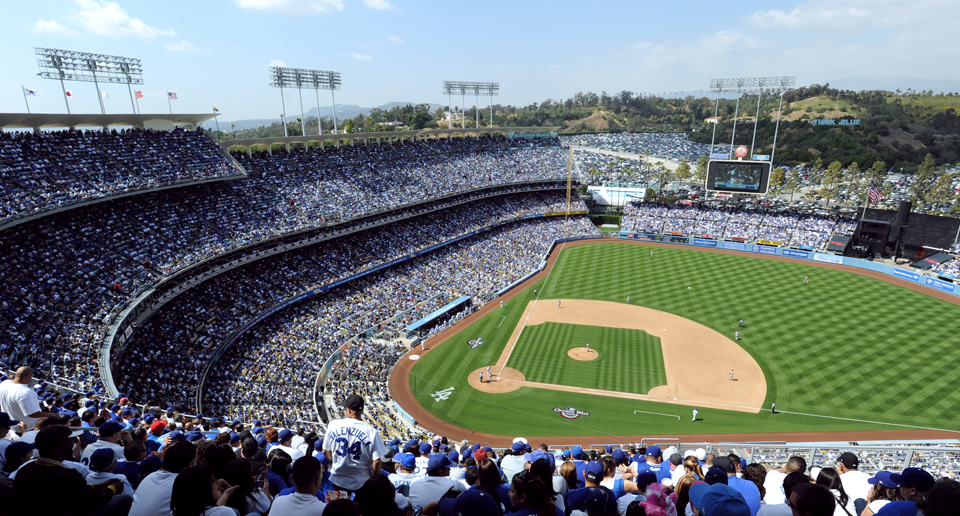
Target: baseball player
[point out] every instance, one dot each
(695, 412)
(481, 376)
(489, 375)
(501, 304)
(628, 298)
(534, 292)
(588, 347)
(773, 408)
(806, 279)
(739, 325)
(651, 253)
(736, 335)
(558, 303)
(731, 375)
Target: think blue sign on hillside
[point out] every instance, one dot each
(836, 121)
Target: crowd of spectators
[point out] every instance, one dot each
(670, 146)
(806, 231)
(51, 169)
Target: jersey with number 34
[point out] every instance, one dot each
(354, 445)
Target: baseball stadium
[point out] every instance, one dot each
(388, 310)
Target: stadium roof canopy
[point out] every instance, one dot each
(51, 120)
(425, 133)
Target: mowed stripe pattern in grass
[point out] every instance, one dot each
(630, 360)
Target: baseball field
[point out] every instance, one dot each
(843, 352)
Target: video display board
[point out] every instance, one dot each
(734, 176)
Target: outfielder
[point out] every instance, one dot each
(501, 304)
(806, 279)
(628, 298)
(736, 335)
(695, 412)
(739, 325)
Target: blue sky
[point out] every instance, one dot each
(216, 52)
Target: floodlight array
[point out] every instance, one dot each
(741, 84)
(285, 77)
(69, 65)
(487, 89)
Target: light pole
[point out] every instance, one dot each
(217, 120)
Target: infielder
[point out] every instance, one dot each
(588, 347)
(558, 303)
(806, 279)
(731, 375)
(736, 335)
(489, 375)
(695, 412)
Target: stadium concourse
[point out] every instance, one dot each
(94, 222)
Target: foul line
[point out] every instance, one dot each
(539, 293)
(501, 322)
(655, 413)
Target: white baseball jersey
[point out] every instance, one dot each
(353, 446)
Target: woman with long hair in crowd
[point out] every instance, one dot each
(488, 481)
(756, 473)
(683, 494)
(830, 478)
(529, 496)
(278, 474)
(197, 492)
(249, 496)
(568, 470)
(619, 486)
(543, 469)
(883, 492)
(692, 467)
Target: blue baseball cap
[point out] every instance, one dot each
(518, 446)
(915, 478)
(6, 421)
(653, 451)
(453, 456)
(883, 478)
(488, 449)
(540, 454)
(235, 437)
(406, 460)
(103, 459)
(565, 454)
(148, 419)
(438, 461)
(609, 449)
(715, 475)
(719, 499)
(619, 455)
(196, 435)
(576, 451)
(323, 458)
(425, 447)
(412, 443)
(472, 502)
(593, 471)
(318, 445)
(285, 434)
(175, 436)
(109, 428)
(262, 441)
(256, 422)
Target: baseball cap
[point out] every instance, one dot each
(701, 454)
(17, 449)
(597, 500)
(565, 454)
(653, 451)
(488, 449)
(883, 478)
(412, 443)
(285, 434)
(354, 402)
(425, 447)
(318, 445)
(262, 441)
(540, 454)
(157, 427)
(619, 455)
(518, 447)
(235, 437)
(608, 448)
(593, 471)
(472, 502)
(480, 454)
(849, 460)
(438, 461)
(453, 456)
(196, 435)
(719, 499)
(915, 478)
(715, 475)
(676, 459)
(322, 458)
(576, 451)
(256, 422)
(103, 459)
(406, 460)
(645, 479)
(6, 421)
(109, 428)
(257, 429)
(176, 436)
(725, 464)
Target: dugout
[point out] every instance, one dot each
(439, 316)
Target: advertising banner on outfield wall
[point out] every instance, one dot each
(736, 246)
(762, 249)
(902, 274)
(704, 243)
(939, 285)
(827, 258)
(796, 254)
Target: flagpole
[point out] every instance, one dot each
(66, 99)
(169, 103)
(132, 105)
(25, 101)
(138, 105)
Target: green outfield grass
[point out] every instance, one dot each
(844, 345)
(630, 360)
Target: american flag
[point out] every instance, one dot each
(874, 193)
(172, 95)
(138, 93)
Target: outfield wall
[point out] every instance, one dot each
(858, 263)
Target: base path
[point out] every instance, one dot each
(401, 393)
(697, 359)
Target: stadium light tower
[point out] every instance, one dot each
(741, 85)
(477, 88)
(68, 65)
(300, 78)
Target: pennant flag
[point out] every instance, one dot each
(104, 95)
(31, 93)
(69, 94)
(172, 95)
(138, 93)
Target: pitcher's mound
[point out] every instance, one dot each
(583, 354)
(508, 380)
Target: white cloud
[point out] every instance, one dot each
(186, 46)
(395, 39)
(51, 27)
(277, 62)
(380, 5)
(109, 19)
(361, 57)
(293, 7)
